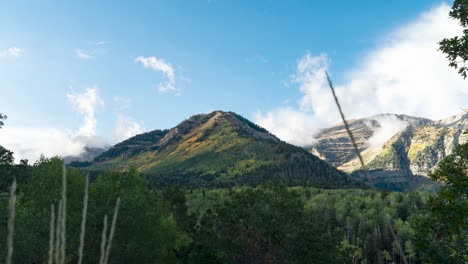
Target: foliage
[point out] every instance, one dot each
(145, 232)
(10, 171)
(442, 232)
(6, 156)
(270, 223)
(275, 224)
(456, 48)
(265, 225)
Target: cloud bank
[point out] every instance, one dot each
(404, 74)
(30, 142)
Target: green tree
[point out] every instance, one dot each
(35, 197)
(6, 156)
(442, 233)
(144, 233)
(176, 203)
(456, 48)
(261, 225)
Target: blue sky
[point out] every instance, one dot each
(240, 56)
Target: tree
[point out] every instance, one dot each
(144, 233)
(7, 169)
(35, 197)
(456, 48)
(442, 233)
(176, 203)
(6, 156)
(262, 225)
(2, 118)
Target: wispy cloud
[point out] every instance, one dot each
(86, 103)
(160, 65)
(92, 49)
(125, 126)
(404, 74)
(83, 55)
(122, 102)
(11, 52)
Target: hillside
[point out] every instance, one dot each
(89, 154)
(220, 148)
(414, 150)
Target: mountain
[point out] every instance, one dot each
(89, 154)
(396, 148)
(220, 148)
(333, 143)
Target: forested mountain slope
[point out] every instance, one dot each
(219, 148)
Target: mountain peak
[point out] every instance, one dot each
(219, 148)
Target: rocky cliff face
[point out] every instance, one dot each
(414, 148)
(333, 144)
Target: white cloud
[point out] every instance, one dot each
(83, 55)
(126, 127)
(30, 142)
(389, 126)
(405, 74)
(86, 103)
(160, 65)
(11, 52)
(289, 125)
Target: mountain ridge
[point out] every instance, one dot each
(219, 148)
(413, 150)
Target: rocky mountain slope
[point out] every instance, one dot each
(395, 148)
(220, 148)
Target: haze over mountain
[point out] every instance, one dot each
(219, 148)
